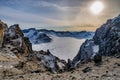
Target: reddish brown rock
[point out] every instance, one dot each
(3, 27)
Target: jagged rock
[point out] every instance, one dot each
(3, 27)
(51, 62)
(106, 41)
(108, 37)
(86, 53)
(15, 40)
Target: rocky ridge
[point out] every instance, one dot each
(105, 42)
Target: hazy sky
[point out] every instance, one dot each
(57, 14)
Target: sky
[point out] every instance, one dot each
(70, 15)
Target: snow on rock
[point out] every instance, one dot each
(108, 37)
(95, 48)
(106, 41)
(86, 53)
(51, 62)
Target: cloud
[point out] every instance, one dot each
(15, 16)
(55, 12)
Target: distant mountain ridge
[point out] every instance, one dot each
(43, 35)
(36, 37)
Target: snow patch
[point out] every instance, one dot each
(95, 48)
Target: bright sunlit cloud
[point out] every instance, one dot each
(97, 7)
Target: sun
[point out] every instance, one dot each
(97, 7)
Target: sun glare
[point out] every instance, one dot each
(97, 7)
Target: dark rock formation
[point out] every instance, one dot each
(86, 53)
(87, 69)
(106, 41)
(69, 65)
(97, 59)
(43, 38)
(108, 37)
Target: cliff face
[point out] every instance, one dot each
(106, 41)
(108, 37)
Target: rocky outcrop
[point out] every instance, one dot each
(86, 53)
(16, 42)
(51, 62)
(106, 41)
(108, 37)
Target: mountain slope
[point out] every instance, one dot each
(106, 42)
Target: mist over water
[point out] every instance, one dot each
(62, 47)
